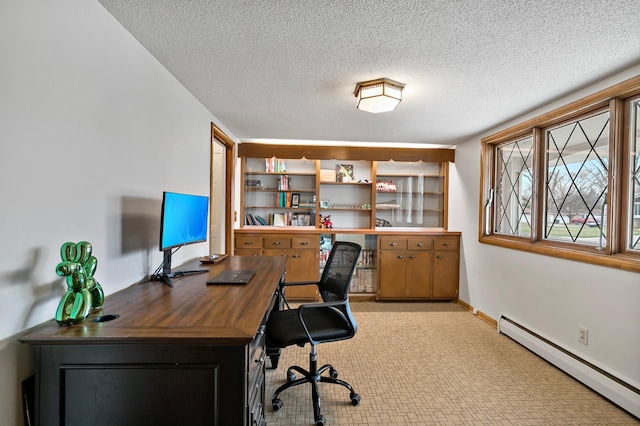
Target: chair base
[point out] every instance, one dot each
(313, 376)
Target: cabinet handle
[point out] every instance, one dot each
(445, 244)
(400, 257)
(296, 255)
(412, 257)
(392, 244)
(438, 257)
(276, 243)
(248, 242)
(304, 243)
(420, 244)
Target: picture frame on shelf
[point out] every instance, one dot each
(344, 173)
(327, 175)
(295, 200)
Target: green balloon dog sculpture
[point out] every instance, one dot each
(83, 291)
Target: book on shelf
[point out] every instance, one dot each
(275, 165)
(283, 199)
(283, 182)
(253, 219)
(279, 219)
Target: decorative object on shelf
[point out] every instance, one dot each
(325, 222)
(324, 204)
(300, 219)
(381, 95)
(295, 200)
(385, 186)
(252, 183)
(344, 173)
(327, 175)
(382, 222)
(84, 292)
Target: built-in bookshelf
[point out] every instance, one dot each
(349, 193)
(279, 192)
(369, 194)
(410, 194)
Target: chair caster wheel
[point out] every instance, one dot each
(333, 373)
(355, 399)
(291, 376)
(320, 420)
(276, 404)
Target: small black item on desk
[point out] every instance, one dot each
(232, 276)
(212, 258)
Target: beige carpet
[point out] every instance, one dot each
(436, 364)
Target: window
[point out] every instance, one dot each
(576, 184)
(513, 189)
(552, 185)
(633, 198)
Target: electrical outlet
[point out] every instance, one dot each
(583, 335)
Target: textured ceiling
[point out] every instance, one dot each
(287, 69)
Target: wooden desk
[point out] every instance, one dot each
(192, 354)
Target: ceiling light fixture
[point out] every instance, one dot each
(379, 95)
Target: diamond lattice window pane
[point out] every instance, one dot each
(577, 180)
(513, 188)
(633, 239)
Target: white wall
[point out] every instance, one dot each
(93, 129)
(553, 296)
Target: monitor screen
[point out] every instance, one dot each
(184, 219)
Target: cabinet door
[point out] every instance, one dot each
(445, 274)
(391, 273)
(418, 276)
(303, 266)
(302, 262)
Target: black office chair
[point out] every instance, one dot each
(314, 323)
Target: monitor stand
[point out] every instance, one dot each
(166, 274)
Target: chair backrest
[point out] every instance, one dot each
(336, 277)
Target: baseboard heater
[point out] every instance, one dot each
(611, 387)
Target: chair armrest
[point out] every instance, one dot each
(329, 305)
(286, 284)
(283, 284)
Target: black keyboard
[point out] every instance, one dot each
(232, 276)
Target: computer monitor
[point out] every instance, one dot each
(183, 221)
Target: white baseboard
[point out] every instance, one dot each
(615, 389)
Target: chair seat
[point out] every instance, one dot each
(284, 328)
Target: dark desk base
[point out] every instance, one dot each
(153, 384)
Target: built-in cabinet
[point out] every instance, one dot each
(417, 267)
(396, 196)
(302, 252)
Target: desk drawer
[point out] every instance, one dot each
(276, 241)
(393, 243)
(305, 242)
(419, 243)
(248, 242)
(446, 243)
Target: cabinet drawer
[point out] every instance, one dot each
(257, 344)
(245, 242)
(419, 243)
(305, 242)
(393, 243)
(446, 243)
(276, 241)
